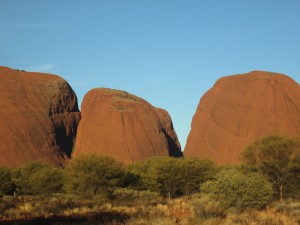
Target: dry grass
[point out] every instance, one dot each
(192, 210)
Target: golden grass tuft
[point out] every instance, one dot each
(191, 210)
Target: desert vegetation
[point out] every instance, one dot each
(278, 158)
(95, 189)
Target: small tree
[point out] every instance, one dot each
(173, 177)
(6, 184)
(148, 172)
(194, 172)
(278, 158)
(233, 188)
(37, 178)
(93, 174)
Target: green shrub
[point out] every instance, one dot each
(93, 174)
(279, 159)
(37, 178)
(6, 184)
(158, 174)
(172, 177)
(235, 188)
(193, 172)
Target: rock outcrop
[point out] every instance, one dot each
(241, 108)
(38, 118)
(124, 126)
(169, 131)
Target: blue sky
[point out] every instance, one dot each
(169, 52)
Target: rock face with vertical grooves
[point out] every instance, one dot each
(38, 118)
(239, 109)
(123, 126)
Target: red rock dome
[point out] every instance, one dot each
(124, 126)
(38, 118)
(239, 109)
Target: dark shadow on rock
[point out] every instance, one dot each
(64, 141)
(174, 151)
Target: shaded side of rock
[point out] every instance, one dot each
(39, 116)
(169, 131)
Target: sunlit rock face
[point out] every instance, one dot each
(38, 118)
(124, 126)
(241, 108)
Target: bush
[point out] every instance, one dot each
(147, 172)
(193, 172)
(158, 174)
(37, 178)
(235, 188)
(6, 184)
(172, 177)
(93, 174)
(279, 159)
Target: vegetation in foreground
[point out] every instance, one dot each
(99, 190)
(141, 210)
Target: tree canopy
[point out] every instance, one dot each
(36, 178)
(173, 177)
(234, 187)
(93, 174)
(277, 157)
(6, 184)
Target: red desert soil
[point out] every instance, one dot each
(124, 126)
(38, 118)
(241, 108)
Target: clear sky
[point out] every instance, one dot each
(169, 52)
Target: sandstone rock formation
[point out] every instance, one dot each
(38, 118)
(124, 126)
(168, 129)
(241, 108)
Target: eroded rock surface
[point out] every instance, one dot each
(123, 126)
(38, 118)
(241, 108)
